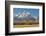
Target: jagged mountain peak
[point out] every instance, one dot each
(23, 14)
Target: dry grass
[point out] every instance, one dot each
(22, 26)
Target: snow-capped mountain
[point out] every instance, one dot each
(24, 16)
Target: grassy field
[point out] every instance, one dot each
(22, 24)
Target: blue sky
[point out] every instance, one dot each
(33, 12)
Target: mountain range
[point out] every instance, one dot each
(24, 16)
